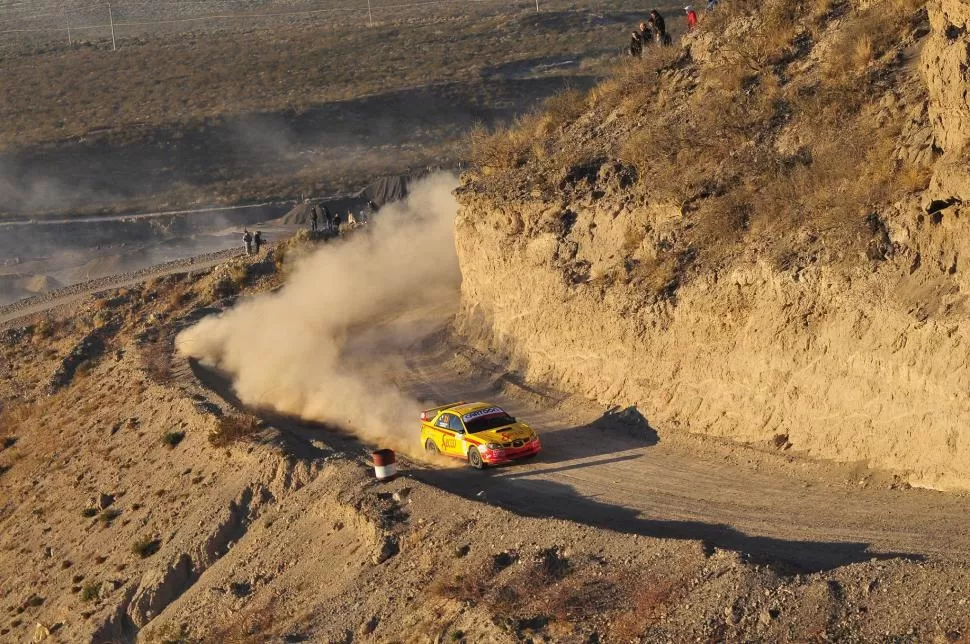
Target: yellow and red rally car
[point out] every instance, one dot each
(483, 434)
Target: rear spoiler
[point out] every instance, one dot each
(428, 414)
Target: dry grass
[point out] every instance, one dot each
(146, 547)
(234, 429)
(291, 249)
(715, 139)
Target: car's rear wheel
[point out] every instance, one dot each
(430, 448)
(475, 458)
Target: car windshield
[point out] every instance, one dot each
(485, 423)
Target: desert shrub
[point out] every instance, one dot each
(109, 515)
(15, 416)
(231, 429)
(90, 591)
(48, 328)
(561, 109)
(914, 178)
(240, 274)
(469, 585)
(503, 149)
(177, 297)
(224, 286)
(172, 439)
(146, 547)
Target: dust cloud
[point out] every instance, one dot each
(324, 346)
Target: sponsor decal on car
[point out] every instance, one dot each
(482, 412)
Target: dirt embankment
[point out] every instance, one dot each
(850, 357)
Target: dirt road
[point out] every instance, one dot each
(605, 473)
(601, 472)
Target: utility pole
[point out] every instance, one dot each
(537, 6)
(69, 41)
(370, 15)
(112, 21)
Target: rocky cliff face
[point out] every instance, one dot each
(946, 67)
(864, 358)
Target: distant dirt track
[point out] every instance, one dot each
(15, 311)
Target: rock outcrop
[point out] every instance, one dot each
(946, 67)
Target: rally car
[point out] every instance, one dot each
(480, 433)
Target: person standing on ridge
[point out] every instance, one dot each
(248, 239)
(314, 217)
(328, 219)
(645, 35)
(636, 45)
(257, 241)
(659, 27)
(691, 17)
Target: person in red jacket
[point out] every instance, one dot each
(691, 17)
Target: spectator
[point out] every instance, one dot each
(314, 218)
(691, 17)
(645, 35)
(248, 239)
(636, 45)
(257, 241)
(656, 21)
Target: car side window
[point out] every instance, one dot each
(456, 424)
(444, 421)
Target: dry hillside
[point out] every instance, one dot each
(137, 505)
(756, 234)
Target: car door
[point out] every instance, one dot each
(458, 429)
(450, 443)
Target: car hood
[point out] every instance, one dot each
(505, 434)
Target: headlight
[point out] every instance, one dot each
(493, 446)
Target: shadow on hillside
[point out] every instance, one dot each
(544, 498)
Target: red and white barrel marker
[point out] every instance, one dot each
(385, 464)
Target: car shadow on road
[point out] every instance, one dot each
(608, 434)
(543, 498)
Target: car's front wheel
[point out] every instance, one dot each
(475, 458)
(430, 448)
